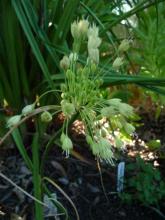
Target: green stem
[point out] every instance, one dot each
(19, 143)
(37, 178)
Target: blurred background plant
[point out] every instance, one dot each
(35, 35)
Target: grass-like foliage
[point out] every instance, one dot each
(70, 51)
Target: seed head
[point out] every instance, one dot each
(46, 117)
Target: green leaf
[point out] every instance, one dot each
(35, 48)
(37, 178)
(19, 143)
(154, 144)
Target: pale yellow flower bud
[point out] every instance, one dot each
(117, 62)
(79, 29)
(83, 27)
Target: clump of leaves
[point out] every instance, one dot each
(146, 184)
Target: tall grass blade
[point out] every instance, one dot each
(19, 143)
(35, 48)
(37, 178)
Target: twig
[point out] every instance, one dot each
(22, 190)
(101, 179)
(37, 111)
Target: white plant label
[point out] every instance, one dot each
(120, 176)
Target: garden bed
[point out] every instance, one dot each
(79, 177)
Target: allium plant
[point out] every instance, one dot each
(81, 96)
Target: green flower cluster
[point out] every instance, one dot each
(81, 95)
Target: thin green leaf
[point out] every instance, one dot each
(19, 143)
(27, 30)
(37, 178)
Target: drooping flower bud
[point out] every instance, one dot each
(46, 117)
(102, 149)
(14, 120)
(65, 62)
(28, 109)
(67, 144)
(124, 46)
(105, 153)
(117, 62)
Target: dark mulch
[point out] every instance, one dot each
(80, 179)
